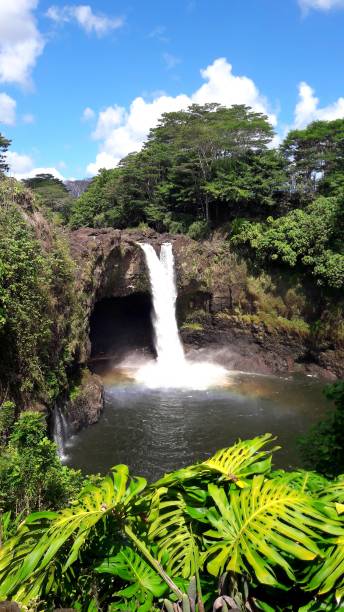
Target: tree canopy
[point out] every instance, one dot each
(4, 144)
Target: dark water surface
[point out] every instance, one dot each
(155, 431)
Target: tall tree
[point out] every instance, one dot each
(315, 157)
(203, 135)
(4, 144)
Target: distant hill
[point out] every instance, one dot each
(76, 188)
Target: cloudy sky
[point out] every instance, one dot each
(81, 84)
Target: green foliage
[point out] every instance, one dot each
(323, 447)
(226, 531)
(312, 237)
(97, 206)
(315, 158)
(145, 583)
(199, 230)
(194, 164)
(31, 474)
(52, 193)
(39, 308)
(4, 144)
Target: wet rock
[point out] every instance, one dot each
(86, 402)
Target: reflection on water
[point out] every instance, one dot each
(155, 431)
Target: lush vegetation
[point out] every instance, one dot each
(229, 530)
(198, 164)
(211, 167)
(4, 144)
(323, 447)
(38, 302)
(31, 474)
(310, 237)
(52, 194)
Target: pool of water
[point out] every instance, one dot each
(155, 431)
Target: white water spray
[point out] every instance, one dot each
(171, 368)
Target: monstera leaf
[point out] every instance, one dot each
(28, 561)
(243, 459)
(331, 573)
(170, 529)
(262, 527)
(144, 582)
(235, 463)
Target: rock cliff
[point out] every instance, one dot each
(263, 323)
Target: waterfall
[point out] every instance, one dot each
(171, 368)
(61, 432)
(168, 345)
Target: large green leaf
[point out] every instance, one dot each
(235, 463)
(243, 459)
(331, 573)
(171, 530)
(144, 581)
(44, 538)
(264, 526)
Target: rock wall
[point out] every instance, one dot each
(219, 303)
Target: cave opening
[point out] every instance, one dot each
(119, 326)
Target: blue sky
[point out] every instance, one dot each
(81, 84)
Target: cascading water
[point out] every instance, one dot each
(171, 368)
(161, 274)
(61, 432)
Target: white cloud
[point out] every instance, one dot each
(307, 108)
(22, 166)
(28, 118)
(84, 16)
(122, 131)
(7, 109)
(20, 41)
(320, 5)
(19, 164)
(88, 114)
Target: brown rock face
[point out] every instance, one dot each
(261, 320)
(86, 403)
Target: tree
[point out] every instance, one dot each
(311, 237)
(203, 136)
(97, 206)
(316, 158)
(52, 193)
(4, 144)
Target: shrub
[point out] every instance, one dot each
(322, 448)
(199, 230)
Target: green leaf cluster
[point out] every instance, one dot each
(39, 308)
(31, 474)
(227, 531)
